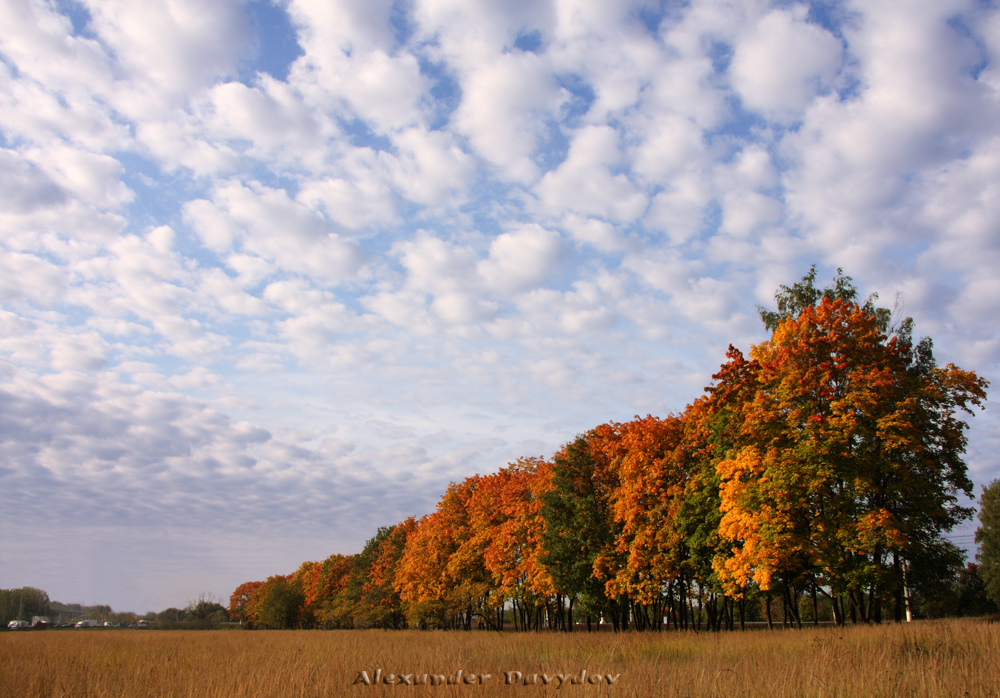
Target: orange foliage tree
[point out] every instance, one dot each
(239, 602)
(377, 604)
(505, 516)
(277, 603)
(849, 458)
(441, 576)
(647, 503)
(327, 595)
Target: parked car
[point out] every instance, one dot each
(87, 624)
(18, 625)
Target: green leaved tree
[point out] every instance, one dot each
(988, 538)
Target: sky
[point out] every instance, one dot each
(273, 273)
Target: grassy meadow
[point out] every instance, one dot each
(937, 660)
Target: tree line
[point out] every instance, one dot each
(23, 604)
(28, 602)
(815, 479)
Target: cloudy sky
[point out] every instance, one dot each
(274, 272)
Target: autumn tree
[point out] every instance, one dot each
(370, 590)
(712, 429)
(442, 576)
(850, 460)
(239, 602)
(650, 551)
(277, 603)
(507, 525)
(828, 463)
(328, 597)
(305, 580)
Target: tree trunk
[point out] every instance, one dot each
(815, 605)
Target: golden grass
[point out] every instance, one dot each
(936, 660)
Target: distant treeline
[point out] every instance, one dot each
(27, 603)
(814, 480)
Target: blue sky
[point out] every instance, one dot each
(273, 273)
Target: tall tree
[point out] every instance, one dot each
(971, 592)
(793, 300)
(22, 604)
(376, 604)
(988, 538)
(328, 597)
(712, 430)
(647, 503)
(239, 602)
(277, 603)
(850, 462)
(441, 575)
(505, 515)
(579, 526)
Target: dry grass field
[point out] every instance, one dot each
(936, 660)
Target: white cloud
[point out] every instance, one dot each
(54, 84)
(467, 34)
(594, 232)
(521, 259)
(41, 42)
(435, 266)
(29, 278)
(24, 187)
(680, 210)
(228, 293)
(267, 223)
(463, 309)
(431, 167)
(673, 144)
(169, 49)
(270, 115)
(916, 107)
(316, 324)
(744, 212)
(178, 143)
(505, 107)
(94, 178)
(586, 182)
(608, 46)
(360, 199)
(43, 346)
(684, 86)
(783, 62)
(351, 63)
(343, 27)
